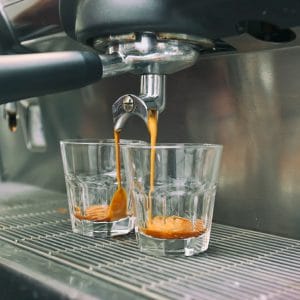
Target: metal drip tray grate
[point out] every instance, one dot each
(240, 264)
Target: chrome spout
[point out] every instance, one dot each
(127, 106)
(152, 97)
(153, 91)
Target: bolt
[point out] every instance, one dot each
(128, 104)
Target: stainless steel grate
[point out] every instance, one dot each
(240, 264)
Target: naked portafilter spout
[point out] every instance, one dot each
(152, 97)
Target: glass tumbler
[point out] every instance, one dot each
(96, 208)
(173, 197)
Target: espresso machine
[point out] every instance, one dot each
(79, 68)
(150, 39)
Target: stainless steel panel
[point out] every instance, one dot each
(240, 264)
(248, 102)
(30, 19)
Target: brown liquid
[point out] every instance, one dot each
(118, 160)
(106, 213)
(96, 213)
(118, 206)
(153, 128)
(173, 227)
(164, 227)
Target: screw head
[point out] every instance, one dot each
(128, 104)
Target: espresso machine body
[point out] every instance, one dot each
(240, 90)
(237, 93)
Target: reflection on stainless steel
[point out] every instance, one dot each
(7, 33)
(153, 91)
(34, 18)
(53, 42)
(247, 43)
(247, 102)
(114, 64)
(191, 39)
(32, 124)
(10, 113)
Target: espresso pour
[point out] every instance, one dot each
(153, 63)
(146, 106)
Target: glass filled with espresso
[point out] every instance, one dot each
(96, 185)
(173, 187)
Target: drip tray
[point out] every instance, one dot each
(36, 240)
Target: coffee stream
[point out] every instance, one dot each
(118, 157)
(152, 128)
(118, 206)
(164, 227)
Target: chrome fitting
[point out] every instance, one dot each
(152, 97)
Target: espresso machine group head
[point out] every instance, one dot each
(150, 56)
(150, 38)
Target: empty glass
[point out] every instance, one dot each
(90, 175)
(174, 209)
